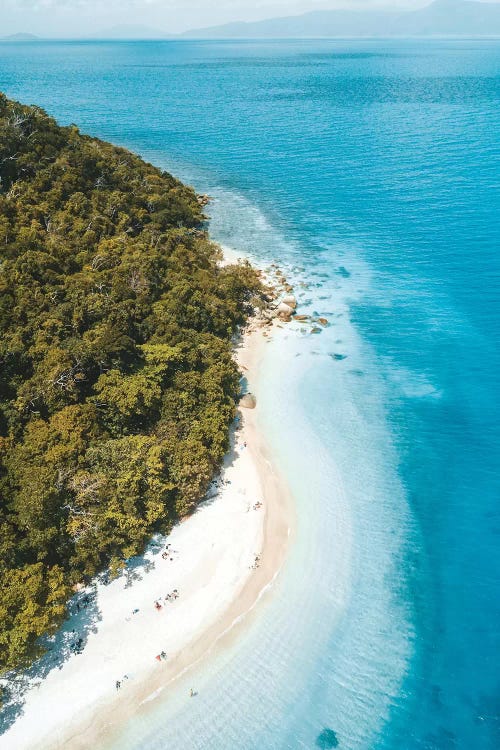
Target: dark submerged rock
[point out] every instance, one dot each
(327, 739)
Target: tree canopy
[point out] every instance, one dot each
(117, 384)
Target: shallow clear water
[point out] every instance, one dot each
(374, 167)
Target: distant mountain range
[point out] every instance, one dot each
(19, 38)
(121, 31)
(441, 18)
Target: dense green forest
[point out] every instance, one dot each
(117, 384)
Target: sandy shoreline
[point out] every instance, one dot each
(77, 705)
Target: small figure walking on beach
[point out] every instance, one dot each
(118, 684)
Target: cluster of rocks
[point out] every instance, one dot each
(283, 305)
(203, 200)
(281, 308)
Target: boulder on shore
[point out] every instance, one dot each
(248, 401)
(284, 311)
(290, 301)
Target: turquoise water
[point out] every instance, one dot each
(371, 171)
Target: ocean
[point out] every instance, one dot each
(370, 171)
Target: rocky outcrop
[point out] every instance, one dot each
(290, 301)
(284, 311)
(248, 401)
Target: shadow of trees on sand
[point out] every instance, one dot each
(70, 639)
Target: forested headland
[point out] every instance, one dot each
(117, 384)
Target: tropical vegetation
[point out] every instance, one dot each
(117, 383)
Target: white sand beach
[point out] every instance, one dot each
(211, 564)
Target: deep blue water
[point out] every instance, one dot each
(374, 166)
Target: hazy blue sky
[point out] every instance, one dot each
(77, 17)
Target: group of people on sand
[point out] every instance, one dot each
(220, 482)
(256, 563)
(256, 506)
(168, 552)
(158, 604)
(76, 646)
(167, 598)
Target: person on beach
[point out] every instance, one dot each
(118, 684)
(256, 563)
(163, 655)
(158, 606)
